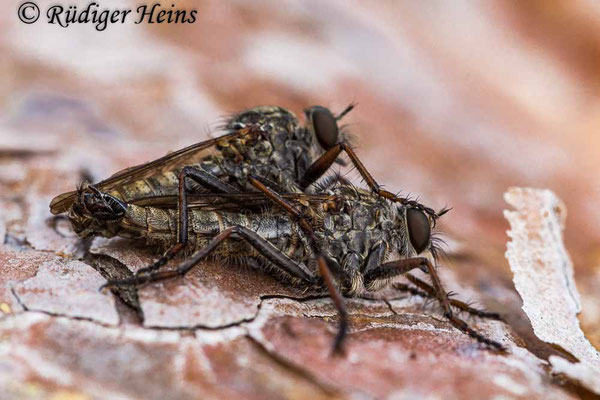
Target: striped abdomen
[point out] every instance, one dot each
(159, 228)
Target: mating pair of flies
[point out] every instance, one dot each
(251, 196)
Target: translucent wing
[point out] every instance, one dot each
(62, 202)
(185, 156)
(232, 202)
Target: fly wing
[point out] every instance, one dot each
(232, 202)
(62, 202)
(185, 156)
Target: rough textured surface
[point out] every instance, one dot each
(401, 344)
(544, 279)
(457, 102)
(216, 295)
(69, 289)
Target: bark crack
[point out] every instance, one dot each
(54, 314)
(297, 370)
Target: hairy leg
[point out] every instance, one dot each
(405, 265)
(266, 249)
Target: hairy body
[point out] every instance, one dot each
(354, 227)
(342, 239)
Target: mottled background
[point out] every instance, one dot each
(457, 101)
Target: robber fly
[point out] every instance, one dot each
(265, 141)
(343, 238)
(339, 239)
(141, 204)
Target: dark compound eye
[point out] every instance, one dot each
(419, 230)
(324, 125)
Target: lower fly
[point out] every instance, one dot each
(342, 239)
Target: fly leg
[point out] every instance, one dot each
(324, 162)
(331, 181)
(425, 290)
(339, 303)
(403, 266)
(205, 179)
(290, 209)
(322, 261)
(266, 249)
(208, 181)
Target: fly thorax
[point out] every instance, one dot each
(278, 124)
(264, 115)
(275, 155)
(246, 149)
(260, 150)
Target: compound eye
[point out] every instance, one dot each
(419, 229)
(324, 125)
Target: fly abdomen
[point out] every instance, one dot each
(156, 225)
(164, 184)
(141, 188)
(159, 228)
(206, 223)
(134, 222)
(161, 221)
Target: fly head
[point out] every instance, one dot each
(103, 206)
(94, 211)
